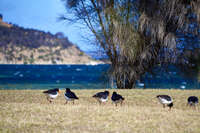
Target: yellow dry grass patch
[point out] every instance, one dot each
(29, 111)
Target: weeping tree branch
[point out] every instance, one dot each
(137, 34)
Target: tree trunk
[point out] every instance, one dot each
(130, 84)
(120, 84)
(125, 81)
(119, 81)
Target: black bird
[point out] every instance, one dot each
(193, 101)
(51, 94)
(117, 98)
(70, 96)
(165, 100)
(101, 97)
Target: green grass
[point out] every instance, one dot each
(29, 111)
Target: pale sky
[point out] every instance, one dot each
(42, 15)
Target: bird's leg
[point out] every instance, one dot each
(66, 102)
(121, 103)
(73, 101)
(163, 105)
(48, 99)
(116, 104)
(194, 107)
(104, 103)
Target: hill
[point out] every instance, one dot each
(19, 45)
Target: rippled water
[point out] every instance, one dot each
(83, 77)
(51, 76)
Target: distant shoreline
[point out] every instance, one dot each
(62, 64)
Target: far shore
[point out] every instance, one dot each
(89, 63)
(59, 64)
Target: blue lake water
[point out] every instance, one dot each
(51, 76)
(82, 77)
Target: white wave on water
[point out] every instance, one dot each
(16, 73)
(141, 84)
(21, 75)
(78, 69)
(182, 86)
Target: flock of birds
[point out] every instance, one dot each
(102, 97)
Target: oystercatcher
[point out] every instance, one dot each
(101, 97)
(165, 100)
(51, 94)
(70, 96)
(193, 101)
(117, 98)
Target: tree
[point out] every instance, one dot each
(135, 34)
(113, 26)
(176, 24)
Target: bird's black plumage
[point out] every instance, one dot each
(52, 91)
(193, 100)
(51, 94)
(166, 97)
(165, 100)
(70, 94)
(101, 96)
(117, 98)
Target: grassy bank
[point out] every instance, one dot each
(29, 111)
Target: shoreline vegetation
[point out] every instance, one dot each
(29, 111)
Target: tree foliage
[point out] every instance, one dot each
(136, 34)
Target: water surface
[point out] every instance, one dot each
(84, 77)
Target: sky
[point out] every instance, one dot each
(43, 15)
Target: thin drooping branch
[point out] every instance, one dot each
(137, 34)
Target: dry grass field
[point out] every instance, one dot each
(29, 111)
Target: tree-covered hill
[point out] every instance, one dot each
(18, 36)
(19, 45)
